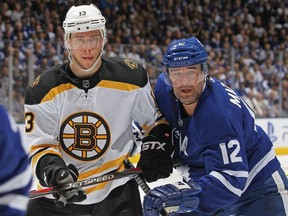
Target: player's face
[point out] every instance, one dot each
(187, 82)
(86, 47)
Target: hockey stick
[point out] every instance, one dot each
(34, 194)
(142, 183)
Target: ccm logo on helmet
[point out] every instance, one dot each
(180, 58)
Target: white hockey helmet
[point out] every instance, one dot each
(84, 18)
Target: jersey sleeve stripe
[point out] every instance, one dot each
(102, 185)
(226, 183)
(260, 165)
(14, 201)
(107, 167)
(19, 181)
(243, 174)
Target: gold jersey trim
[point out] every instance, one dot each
(117, 85)
(104, 83)
(56, 91)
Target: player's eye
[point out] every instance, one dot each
(79, 41)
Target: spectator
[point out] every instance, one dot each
(254, 28)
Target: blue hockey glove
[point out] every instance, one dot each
(174, 198)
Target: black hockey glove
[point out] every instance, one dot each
(156, 151)
(52, 171)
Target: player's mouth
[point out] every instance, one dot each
(88, 58)
(186, 90)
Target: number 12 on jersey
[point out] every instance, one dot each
(232, 157)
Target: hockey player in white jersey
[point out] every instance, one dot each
(15, 173)
(78, 122)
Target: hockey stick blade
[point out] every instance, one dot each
(34, 194)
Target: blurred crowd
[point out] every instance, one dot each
(247, 42)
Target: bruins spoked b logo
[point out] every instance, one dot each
(85, 136)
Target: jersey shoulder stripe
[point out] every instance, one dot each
(57, 90)
(114, 73)
(47, 85)
(117, 85)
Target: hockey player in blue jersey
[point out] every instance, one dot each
(15, 174)
(228, 163)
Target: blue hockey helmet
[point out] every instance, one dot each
(185, 52)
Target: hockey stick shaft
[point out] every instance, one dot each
(143, 184)
(34, 194)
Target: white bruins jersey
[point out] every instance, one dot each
(88, 121)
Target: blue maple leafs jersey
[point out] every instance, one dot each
(15, 174)
(220, 146)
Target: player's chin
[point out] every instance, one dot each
(187, 100)
(87, 65)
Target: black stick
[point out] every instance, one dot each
(142, 183)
